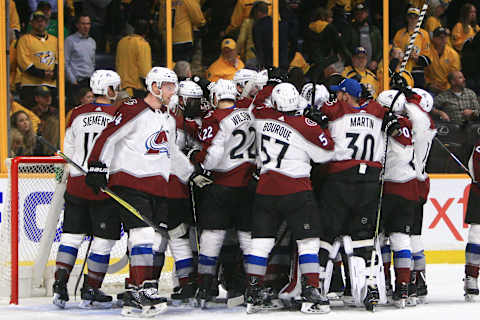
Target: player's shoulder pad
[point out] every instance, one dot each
(128, 110)
(311, 131)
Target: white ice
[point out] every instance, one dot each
(445, 301)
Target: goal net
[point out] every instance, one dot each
(30, 230)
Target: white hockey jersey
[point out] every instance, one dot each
(423, 131)
(228, 148)
(139, 149)
(85, 125)
(285, 146)
(400, 174)
(357, 134)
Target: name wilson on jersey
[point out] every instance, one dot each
(241, 117)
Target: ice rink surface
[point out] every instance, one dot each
(445, 301)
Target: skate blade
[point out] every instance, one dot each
(314, 308)
(88, 304)
(401, 304)
(349, 301)
(412, 301)
(58, 302)
(152, 311)
(235, 301)
(471, 297)
(185, 303)
(422, 300)
(263, 308)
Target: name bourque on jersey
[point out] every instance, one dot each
(228, 146)
(400, 173)
(285, 147)
(85, 125)
(423, 132)
(139, 149)
(357, 134)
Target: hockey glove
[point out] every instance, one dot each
(390, 124)
(201, 177)
(97, 176)
(398, 82)
(316, 115)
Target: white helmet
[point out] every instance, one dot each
(242, 76)
(261, 79)
(385, 98)
(225, 90)
(285, 97)
(101, 80)
(427, 101)
(189, 89)
(160, 75)
(321, 94)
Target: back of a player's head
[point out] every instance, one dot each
(183, 70)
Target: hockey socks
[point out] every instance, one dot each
(97, 268)
(387, 261)
(67, 253)
(182, 253)
(472, 260)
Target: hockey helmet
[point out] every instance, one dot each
(321, 94)
(192, 96)
(385, 98)
(225, 90)
(427, 100)
(101, 80)
(160, 75)
(285, 97)
(242, 76)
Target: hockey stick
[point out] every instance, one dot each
(107, 190)
(83, 267)
(454, 157)
(413, 37)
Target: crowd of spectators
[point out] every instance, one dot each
(215, 38)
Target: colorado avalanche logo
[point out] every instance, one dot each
(157, 143)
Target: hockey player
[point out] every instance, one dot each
(400, 195)
(419, 104)
(286, 144)
(180, 215)
(227, 150)
(359, 141)
(87, 213)
(472, 251)
(137, 150)
(241, 78)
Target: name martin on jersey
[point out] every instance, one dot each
(277, 129)
(361, 121)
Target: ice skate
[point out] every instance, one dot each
(144, 302)
(260, 298)
(371, 299)
(93, 297)
(185, 295)
(471, 289)
(60, 293)
(312, 300)
(400, 295)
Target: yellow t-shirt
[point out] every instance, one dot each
(15, 107)
(242, 12)
(188, 15)
(421, 45)
(133, 61)
(437, 72)
(459, 36)
(39, 52)
(405, 74)
(367, 78)
(221, 69)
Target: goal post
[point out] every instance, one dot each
(30, 229)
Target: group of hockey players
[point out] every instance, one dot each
(275, 189)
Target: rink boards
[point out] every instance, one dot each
(444, 232)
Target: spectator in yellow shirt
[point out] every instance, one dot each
(187, 16)
(227, 64)
(395, 58)
(419, 57)
(444, 60)
(466, 28)
(436, 8)
(241, 12)
(134, 60)
(359, 71)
